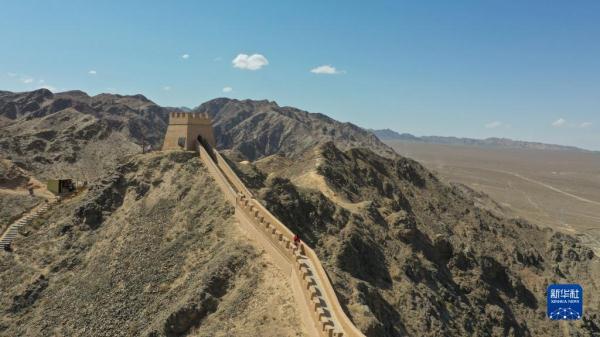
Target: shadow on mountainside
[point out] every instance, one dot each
(416, 257)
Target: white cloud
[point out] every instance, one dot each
(218, 59)
(92, 72)
(559, 122)
(26, 79)
(227, 89)
(325, 69)
(41, 81)
(585, 125)
(250, 62)
(167, 88)
(185, 56)
(493, 125)
(49, 87)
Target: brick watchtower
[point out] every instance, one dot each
(187, 130)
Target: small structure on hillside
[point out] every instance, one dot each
(187, 130)
(61, 186)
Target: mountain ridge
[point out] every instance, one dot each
(74, 132)
(259, 128)
(408, 254)
(412, 256)
(386, 135)
(74, 122)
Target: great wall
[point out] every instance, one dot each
(315, 297)
(322, 313)
(316, 301)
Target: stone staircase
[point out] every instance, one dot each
(315, 298)
(11, 232)
(316, 294)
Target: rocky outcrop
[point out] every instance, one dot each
(105, 197)
(29, 296)
(206, 302)
(11, 176)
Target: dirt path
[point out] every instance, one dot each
(24, 192)
(40, 191)
(547, 186)
(314, 180)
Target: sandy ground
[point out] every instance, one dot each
(270, 311)
(551, 188)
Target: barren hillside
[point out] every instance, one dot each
(80, 136)
(410, 255)
(71, 134)
(150, 250)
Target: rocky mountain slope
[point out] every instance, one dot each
(261, 128)
(387, 135)
(412, 256)
(14, 196)
(80, 136)
(74, 135)
(150, 250)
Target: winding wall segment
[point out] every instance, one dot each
(302, 265)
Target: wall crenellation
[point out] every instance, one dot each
(189, 115)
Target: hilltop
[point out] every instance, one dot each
(262, 128)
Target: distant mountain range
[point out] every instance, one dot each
(386, 135)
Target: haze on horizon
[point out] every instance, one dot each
(527, 71)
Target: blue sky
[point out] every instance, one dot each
(521, 69)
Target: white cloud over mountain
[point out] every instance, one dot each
(250, 62)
